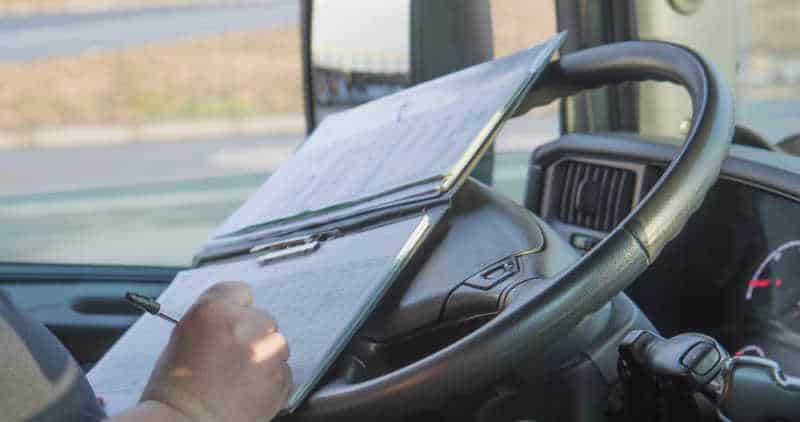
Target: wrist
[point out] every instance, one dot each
(151, 410)
(167, 410)
(180, 401)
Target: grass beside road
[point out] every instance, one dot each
(18, 7)
(250, 74)
(521, 24)
(774, 26)
(517, 25)
(227, 76)
(235, 75)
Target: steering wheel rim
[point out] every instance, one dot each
(552, 307)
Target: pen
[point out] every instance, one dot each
(149, 305)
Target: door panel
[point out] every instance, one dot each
(83, 306)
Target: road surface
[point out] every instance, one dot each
(62, 169)
(155, 204)
(151, 224)
(40, 36)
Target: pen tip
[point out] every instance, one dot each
(143, 302)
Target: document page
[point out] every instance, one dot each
(319, 301)
(425, 135)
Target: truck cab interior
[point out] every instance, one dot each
(641, 265)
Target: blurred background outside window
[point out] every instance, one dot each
(130, 128)
(769, 67)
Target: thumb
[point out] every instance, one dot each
(231, 291)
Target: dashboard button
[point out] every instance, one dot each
(494, 274)
(582, 242)
(701, 358)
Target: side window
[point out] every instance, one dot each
(130, 128)
(517, 25)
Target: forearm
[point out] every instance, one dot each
(150, 411)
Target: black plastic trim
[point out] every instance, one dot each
(306, 12)
(19, 272)
(629, 148)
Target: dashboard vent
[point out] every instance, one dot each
(594, 196)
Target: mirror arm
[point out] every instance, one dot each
(305, 43)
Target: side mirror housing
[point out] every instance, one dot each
(790, 144)
(360, 50)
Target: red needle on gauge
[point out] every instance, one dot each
(764, 283)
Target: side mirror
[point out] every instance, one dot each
(790, 144)
(359, 50)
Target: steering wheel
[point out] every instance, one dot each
(558, 304)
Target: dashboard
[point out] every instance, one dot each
(734, 273)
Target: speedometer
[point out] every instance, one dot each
(774, 288)
(758, 280)
(773, 298)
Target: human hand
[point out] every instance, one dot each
(225, 361)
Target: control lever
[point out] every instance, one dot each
(661, 376)
(753, 389)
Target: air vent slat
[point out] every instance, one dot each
(594, 196)
(618, 199)
(598, 218)
(563, 214)
(573, 194)
(608, 219)
(595, 180)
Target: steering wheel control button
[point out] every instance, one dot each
(702, 358)
(660, 376)
(494, 274)
(686, 359)
(582, 242)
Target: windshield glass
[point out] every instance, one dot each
(130, 129)
(769, 68)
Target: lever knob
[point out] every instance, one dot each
(687, 361)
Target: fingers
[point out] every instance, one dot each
(255, 329)
(271, 347)
(220, 338)
(260, 331)
(230, 291)
(287, 383)
(276, 397)
(283, 350)
(251, 325)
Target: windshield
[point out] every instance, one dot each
(769, 68)
(130, 129)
